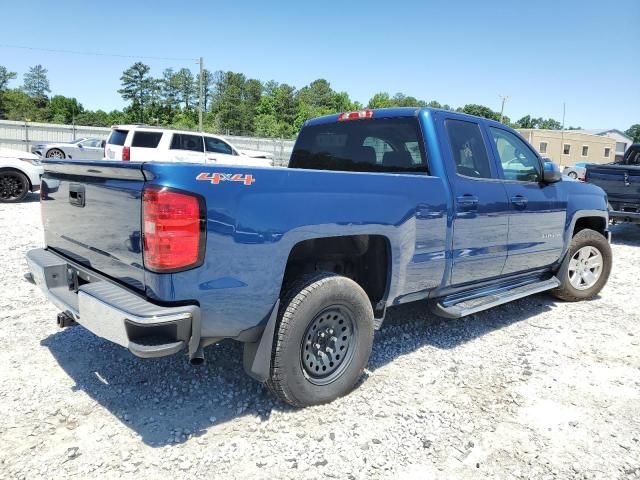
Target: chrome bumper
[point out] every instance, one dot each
(114, 313)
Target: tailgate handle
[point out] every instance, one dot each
(76, 195)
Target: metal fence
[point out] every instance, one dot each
(21, 135)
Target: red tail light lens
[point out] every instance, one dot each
(172, 230)
(359, 115)
(126, 154)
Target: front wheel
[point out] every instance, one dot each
(586, 267)
(323, 340)
(56, 154)
(14, 186)
(573, 175)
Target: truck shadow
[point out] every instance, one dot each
(166, 401)
(625, 234)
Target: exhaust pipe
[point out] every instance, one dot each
(64, 320)
(197, 359)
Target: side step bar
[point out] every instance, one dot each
(456, 306)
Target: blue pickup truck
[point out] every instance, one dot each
(377, 208)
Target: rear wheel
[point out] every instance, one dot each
(55, 153)
(14, 186)
(573, 175)
(323, 340)
(586, 268)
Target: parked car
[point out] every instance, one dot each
(621, 181)
(20, 174)
(80, 149)
(576, 171)
(377, 208)
(142, 143)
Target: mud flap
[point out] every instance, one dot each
(256, 356)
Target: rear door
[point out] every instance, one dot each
(480, 203)
(186, 148)
(115, 142)
(537, 211)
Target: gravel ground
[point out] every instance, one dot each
(534, 389)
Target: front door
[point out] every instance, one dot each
(537, 210)
(480, 202)
(219, 151)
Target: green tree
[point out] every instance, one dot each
(527, 122)
(208, 84)
(63, 109)
(186, 87)
(634, 132)
(20, 106)
(480, 111)
(36, 84)
(5, 77)
(136, 84)
(380, 100)
(549, 124)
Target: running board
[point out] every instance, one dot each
(456, 306)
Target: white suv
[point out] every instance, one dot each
(144, 144)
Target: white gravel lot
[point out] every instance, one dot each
(534, 389)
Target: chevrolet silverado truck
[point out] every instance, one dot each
(621, 182)
(376, 208)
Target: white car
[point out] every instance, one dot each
(80, 149)
(20, 174)
(143, 144)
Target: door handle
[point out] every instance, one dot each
(519, 201)
(467, 202)
(76, 195)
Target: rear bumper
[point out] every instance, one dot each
(113, 312)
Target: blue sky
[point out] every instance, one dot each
(539, 52)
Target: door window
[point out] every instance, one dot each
(118, 137)
(517, 159)
(468, 148)
(182, 141)
(215, 145)
(146, 139)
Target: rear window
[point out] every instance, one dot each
(388, 145)
(187, 142)
(118, 137)
(146, 139)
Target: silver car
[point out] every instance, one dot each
(576, 171)
(80, 149)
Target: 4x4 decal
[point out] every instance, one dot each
(216, 178)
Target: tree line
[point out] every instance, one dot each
(232, 103)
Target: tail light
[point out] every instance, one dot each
(358, 115)
(126, 154)
(173, 230)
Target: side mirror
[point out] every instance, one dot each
(551, 173)
(103, 143)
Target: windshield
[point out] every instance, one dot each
(75, 142)
(388, 145)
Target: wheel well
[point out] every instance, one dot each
(363, 258)
(598, 224)
(9, 169)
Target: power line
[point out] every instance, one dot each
(96, 54)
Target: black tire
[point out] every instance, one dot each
(329, 302)
(55, 153)
(584, 238)
(573, 175)
(14, 186)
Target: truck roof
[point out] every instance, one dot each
(394, 112)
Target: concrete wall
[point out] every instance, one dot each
(21, 135)
(555, 140)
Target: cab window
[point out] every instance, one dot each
(518, 160)
(187, 142)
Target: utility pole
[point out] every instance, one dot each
(504, 99)
(200, 95)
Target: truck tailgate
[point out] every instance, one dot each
(92, 215)
(620, 182)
